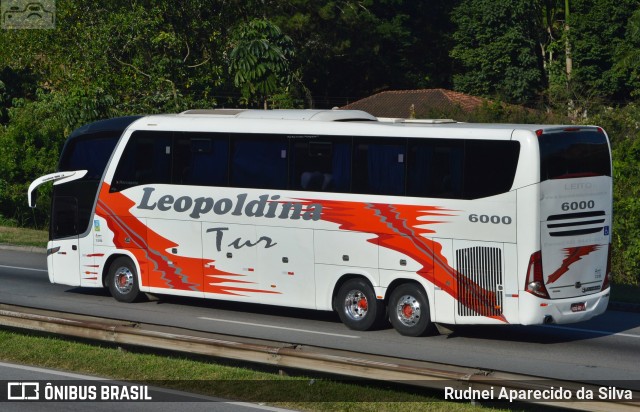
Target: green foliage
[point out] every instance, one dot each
(259, 60)
(29, 148)
(622, 127)
(497, 45)
(627, 56)
(597, 33)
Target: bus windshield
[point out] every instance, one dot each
(87, 148)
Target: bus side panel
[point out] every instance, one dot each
(63, 263)
(511, 300)
(231, 270)
(287, 266)
(174, 249)
(339, 253)
(90, 275)
(444, 301)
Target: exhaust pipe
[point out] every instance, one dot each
(548, 319)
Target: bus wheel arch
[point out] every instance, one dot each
(121, 278)
(408, 308)
(355, 301)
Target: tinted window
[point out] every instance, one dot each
(461, 169)
(72, 204)
(379, 166)
(200, 159)
(146, 159)
(490, 167)
(435, 168)
(259, 161)
(89, 152)
(574, 154)
(321, 164)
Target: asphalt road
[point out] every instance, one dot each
(604, 350)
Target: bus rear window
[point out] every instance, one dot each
(570, 154)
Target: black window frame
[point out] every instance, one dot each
(464, 169)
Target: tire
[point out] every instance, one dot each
(409, 310)
(357, 305)
(123, 280)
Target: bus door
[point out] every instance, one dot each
(63, 258)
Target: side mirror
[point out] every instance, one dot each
(58, 178)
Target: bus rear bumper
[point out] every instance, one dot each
(537, 311)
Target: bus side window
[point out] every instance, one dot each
(200, 159)
(434, 169)
(146, 159)
(259, 161)
(490, 167)
(321, 165)
(379, 166)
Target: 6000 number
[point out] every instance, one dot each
(566, 206)
(496, 220)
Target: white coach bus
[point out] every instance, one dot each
(414, 222)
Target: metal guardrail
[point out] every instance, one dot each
(417, 373)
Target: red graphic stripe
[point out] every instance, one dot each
(572, 255)
(402, 228)
(159, 268)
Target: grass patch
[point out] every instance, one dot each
(209, 378)
(23, 237)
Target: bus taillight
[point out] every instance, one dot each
(535, 281)
(607, 275)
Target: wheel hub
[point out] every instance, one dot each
(123, 280)
(356, 305)
(408, 310)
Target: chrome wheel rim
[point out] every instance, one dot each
(356, 305)
(408, 310)
(123, 280)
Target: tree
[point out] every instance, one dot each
(627, 56)
(497, 46)
(260, 60)
(598, 29)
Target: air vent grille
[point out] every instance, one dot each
(479, 281)
(576, 224)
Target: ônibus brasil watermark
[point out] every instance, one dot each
(28, 14)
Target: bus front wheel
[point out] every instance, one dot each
(123, 280)
(409, 310)
(357, 305)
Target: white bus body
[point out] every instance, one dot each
(333, 210)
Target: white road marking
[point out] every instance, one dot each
(597, 332)
(279, 327)
(21, 268)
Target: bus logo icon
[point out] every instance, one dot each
(23, 391)
(28, 14)
(606, 230)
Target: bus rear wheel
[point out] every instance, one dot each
(357, 305)
(409, 310)
(123, 280)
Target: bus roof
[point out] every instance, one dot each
(107, 125)
(330, 122)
